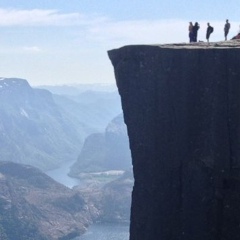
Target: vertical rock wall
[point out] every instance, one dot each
(182, 109)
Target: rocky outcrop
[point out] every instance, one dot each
(105, 151)
(113, 200)
(116, 199)
(181, 105)
(35, 207)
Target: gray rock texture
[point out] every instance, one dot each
(181, 105)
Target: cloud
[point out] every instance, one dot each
(40, 17)
(32, 49)
(141, 32)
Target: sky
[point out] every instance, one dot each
(57, 42)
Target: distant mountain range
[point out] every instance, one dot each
(33, 129)
(94, 104)
(76, 89)
(94, 108)
(44, 130)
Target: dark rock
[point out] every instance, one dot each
(181, 106)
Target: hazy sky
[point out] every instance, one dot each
(66, 41)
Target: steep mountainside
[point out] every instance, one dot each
(113, 200)
(181, 105)
(116, 199)
(35, 207)
(94, 109)
(33, 128)
(105, 151)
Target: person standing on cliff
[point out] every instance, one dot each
(209, 31)
(190, 29)
(195, 31)
(226, 29)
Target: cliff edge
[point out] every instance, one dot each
(181, 105)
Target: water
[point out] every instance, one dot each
(108, 231)
(61, 175)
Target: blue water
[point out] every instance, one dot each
(108, 231)
(60, 175)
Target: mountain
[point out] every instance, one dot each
(93, 104)
(105, 151)
(76, 89)
(113, 200)
(35, 207)
(116, 199)
(93, 108)
(34, 129)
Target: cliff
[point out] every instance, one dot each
(181, 105)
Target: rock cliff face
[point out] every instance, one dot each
(181, 105)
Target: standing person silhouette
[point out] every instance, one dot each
(190, 28)
(209, 31)
(226, 29)
(195, 31)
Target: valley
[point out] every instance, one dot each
(54, 135)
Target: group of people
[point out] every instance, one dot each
(193, 31)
